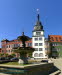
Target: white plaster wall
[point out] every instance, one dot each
(38, 41)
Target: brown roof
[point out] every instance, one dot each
(55, 38)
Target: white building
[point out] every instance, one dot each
(38, 40)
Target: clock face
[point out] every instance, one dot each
(37, 28)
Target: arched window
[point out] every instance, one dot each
(41, 55)
(36, 55)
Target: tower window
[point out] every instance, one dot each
(41, 55)
(40, 38)
(40, 49)
(38, 33)
(36, 55)
(36, 44)
(40, 44)
(36, 39)
(36, 49)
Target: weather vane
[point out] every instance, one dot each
(38, 14)
(38, 11)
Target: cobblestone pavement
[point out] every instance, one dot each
(58, 63)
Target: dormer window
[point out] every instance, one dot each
(60, 38)
(52, 38)
(56, 39)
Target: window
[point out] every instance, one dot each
(40, 38)
(40, 49)
(3, 43)
(56, 44)
(29, 44)
(58, 49)
(46, 43)
(41, 55)
(53, 44)
(60, 38)
(36, 39)
(9, 51)
(56, 39)
(9, 46)
(36, 44)
(3, 46)
(2, 51)
(36, 49)
(61, 44)
(53, 49)
(46, 48)
(6, 46)
(38, 33)
(52, 38)
(36, 55)
(12, 50)
(18, 45)
(40, 44)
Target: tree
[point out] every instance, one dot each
(1, 54)
(6, 55)
(13, 55)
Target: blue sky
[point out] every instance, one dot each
(20, 15)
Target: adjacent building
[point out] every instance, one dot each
(7, 46)
(55, 45)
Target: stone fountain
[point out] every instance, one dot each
(23, 51)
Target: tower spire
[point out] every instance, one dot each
(38, 17)
(38, 26)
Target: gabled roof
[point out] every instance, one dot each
(55, 38)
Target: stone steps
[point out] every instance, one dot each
(56, 73)
(58, 64)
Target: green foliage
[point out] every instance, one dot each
(13, 55)
(1, 54)
(6, 55)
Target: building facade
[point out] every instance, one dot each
(55, 45)
(37, 41)
(7, 46)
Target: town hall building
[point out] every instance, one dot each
(38, 41)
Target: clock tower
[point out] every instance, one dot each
(38, 39)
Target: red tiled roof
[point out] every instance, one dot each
(55, 38)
